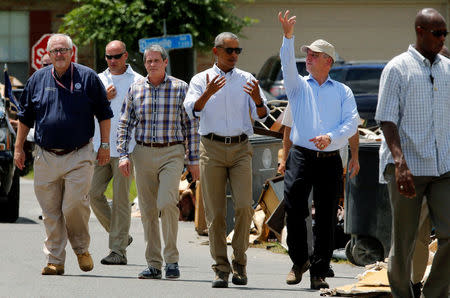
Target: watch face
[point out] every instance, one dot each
(104, 146)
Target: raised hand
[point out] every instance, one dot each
(215, 85)
(287, 23)
(211, 88)
(252, 89)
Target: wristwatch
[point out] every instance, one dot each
(104, 145)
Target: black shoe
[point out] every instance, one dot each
(239, 275)
(330, 272)
(220, 280)
(172, 270)
(318, 282)
(130, 239)
(150, 273)
(417, 289)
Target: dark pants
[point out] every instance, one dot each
(304, 170)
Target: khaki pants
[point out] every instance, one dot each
(158, 172)
(219, 162)
(420, 255)
(61, 184)
(405, 220)
(115, 220)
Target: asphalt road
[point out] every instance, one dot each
(22, 260)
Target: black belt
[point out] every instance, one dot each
(317, 154)
(159, 145)
(226, 140)
(64, 151)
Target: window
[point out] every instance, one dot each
(14, 42)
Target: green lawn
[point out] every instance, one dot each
(108, 192)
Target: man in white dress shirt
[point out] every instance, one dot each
(225, 97)
(117, 78)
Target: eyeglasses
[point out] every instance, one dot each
(45, 64)
(60, 51)
(436, 33)
(118, 56)
(230, 50)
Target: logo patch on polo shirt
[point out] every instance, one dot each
(77, 86)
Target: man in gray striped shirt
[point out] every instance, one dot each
(414, 111)
(154, 106)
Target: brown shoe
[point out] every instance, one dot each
(85, 261)
(239, 275)
(53, 269)
(295, 275)
(318, 283)
(220, 280)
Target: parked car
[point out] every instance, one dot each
(361, 78)
(9, 176)
(271, 76)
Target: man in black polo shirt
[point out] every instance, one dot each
(61, 101)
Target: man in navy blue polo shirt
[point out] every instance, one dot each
(61, 102)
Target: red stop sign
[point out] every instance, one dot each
(40, 48)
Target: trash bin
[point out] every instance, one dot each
(367, 211)
(264, 166)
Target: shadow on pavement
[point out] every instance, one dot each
(25, 220)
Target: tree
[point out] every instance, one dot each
(100, 21)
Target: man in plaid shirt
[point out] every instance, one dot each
(154, 107)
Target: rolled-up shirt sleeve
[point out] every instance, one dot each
(127, 122)
(195, 90)
(190, 127)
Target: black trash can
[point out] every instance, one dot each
(264, 166)
(367, 211)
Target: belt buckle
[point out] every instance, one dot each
(227, 140)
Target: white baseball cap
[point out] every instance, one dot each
(321, 46)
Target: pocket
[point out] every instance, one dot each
(389, 172)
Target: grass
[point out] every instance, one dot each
(131, 196)
(109, 190)
(273, 246)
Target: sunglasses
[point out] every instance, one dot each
(45, 64)
(61, 51)
(231, 50)
(118, 56)
(436, 33)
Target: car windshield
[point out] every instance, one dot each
(301, 67)
(360, 80)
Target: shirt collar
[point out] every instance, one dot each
(66, 74)
(419, 57)
(219, 71)
(129, 70)
(311, 78)
(162, 83)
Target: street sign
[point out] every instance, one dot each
(181, 41)
(40, 48)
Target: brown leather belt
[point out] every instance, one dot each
(317, 154)
(64, 151)
(226, 140)
(159, 145)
